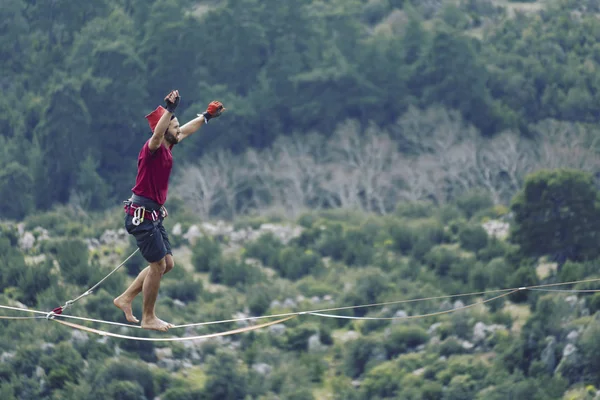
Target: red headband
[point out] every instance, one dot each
(154, 117)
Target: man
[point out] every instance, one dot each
(145, 211)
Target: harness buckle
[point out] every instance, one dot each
(138, 215)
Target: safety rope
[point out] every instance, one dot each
(174, 339)
(414, 316)
(321, 312)
(68, 303)
(58, 312)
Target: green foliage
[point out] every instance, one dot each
(231, 272)
(473, 238)
(297, 339)
(225, 379)
(403, 338)
(362, 354)
(72, 256)
(266, 249)
(294, 263)
(473, 202)
(29, 280)
(206, 253)
(591, 351)
(186, 289)
(16, 186)
(557, 213)
(381, 382)
(64, 364)
(134, 374)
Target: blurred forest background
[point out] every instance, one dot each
(372, 151)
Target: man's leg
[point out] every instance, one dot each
(124, 301)
(150, 288)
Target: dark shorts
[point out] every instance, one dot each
(151, 238)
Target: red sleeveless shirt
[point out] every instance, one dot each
(154, 169)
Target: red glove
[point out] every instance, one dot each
(214, 109)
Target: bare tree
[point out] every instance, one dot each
(370, 156)
(234, 179)
(298, 171)
(567, 145)
(199, 185)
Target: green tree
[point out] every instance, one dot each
(16, 186)
(557, 213)
(225, 378)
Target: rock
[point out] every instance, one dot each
(433, 328)
(277, 329)
(46, 346)
(458, 304)
(289, 303)
(177, 229)
(445, 306)
(419, 372)
(571, 300)
(192, 234)
(569, 350)
(570, 363)
(79, 336)
(314, 344)
(4, 357)
(39, 372)
(275, 304)
(467, 345)
(243, 321)
(315, 299)
(41, 233)
(350, 335)
(26, 241)
(572, 337)
(178, 303)
(548, 356)
(496, 228)
(481, 331)
(163, 352)
(168, 364)
(400, 314)
(262, 368)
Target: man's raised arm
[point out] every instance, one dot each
(214, 109)
(171, 100)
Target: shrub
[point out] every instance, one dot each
(441, 258)
(294, 263)
(474, 201)
(594, 303)
(415, 209)
(72, 256)
(265, 248)
(231, 272)
(473, 237)
(259, 299)
(381, 382)
(206, 253)
(403, 338)
(186, 290)
(362, 354)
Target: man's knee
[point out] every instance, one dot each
(169, 263)
(159, 266)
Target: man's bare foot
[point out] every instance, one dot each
(156, 324)
(125, 305)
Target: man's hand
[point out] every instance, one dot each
(172, 101)
(214, 110)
